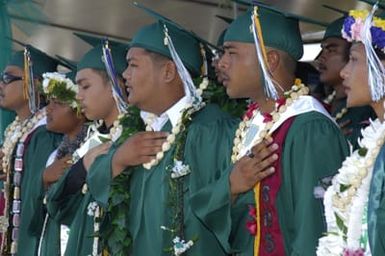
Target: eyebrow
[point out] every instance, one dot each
(80, 80)
(228, 47)
(330, 45)
(131, 59)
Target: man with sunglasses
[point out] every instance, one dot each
(27, 146)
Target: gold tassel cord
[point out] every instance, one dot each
(26, 74)
(259, 33)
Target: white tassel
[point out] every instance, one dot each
(120, 103)
(269, 84)
(188, 84)
(376, 73)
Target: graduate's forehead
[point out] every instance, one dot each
(136, 54)
(13, 70)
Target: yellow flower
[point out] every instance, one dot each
(378, 22)
(297, 81)
(359, 14)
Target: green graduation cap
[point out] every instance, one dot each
(187, 44)
(41, 62)
(279, 31)
(222, 35)
(95, 40)
(334, 28)
(71, 65)
(93, 58)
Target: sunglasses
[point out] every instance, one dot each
(8, 78)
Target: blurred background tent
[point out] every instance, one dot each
(49, 24)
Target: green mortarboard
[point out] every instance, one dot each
(152, 38)
(334, 29)
(95, 40)
(72, 75)
(222, 35)
(279, 31)
(71, 64)
(41, 62)
(93, 58)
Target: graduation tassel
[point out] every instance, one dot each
(29, 91)
(111, 72)
(188, 84)
(269, 84)
(376, 74)
(26, 75)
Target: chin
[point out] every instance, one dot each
(350, 103)
(51, 127)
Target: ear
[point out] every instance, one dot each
(170, 72)
(273, 60)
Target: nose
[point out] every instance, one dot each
(79, 95)
(49, 107)
(126, 74)
(223, 63)
(344, 74)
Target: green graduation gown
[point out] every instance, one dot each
(376, 207)
(40, 146)
(72, 210)
(314, 148)
(207, 151)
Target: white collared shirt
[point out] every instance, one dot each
(173, 114)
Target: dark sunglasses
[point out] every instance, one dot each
(8, 78)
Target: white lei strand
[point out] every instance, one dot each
(93, 208)
(349, 205)
(297, 90)
(330, 97)
(329, 101)
(177, 128)
(16, 133)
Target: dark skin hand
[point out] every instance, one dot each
(249, 170)
(93, 153)
(53, 172)
(138, 149)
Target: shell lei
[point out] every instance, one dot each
(16, 133)
(191, 108)
(297, 90)
(346, 199)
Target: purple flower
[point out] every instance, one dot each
(378, 37)
(349, 21)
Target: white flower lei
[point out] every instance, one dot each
(346, 199)
(61, 78)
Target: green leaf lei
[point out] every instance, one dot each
(115, 237)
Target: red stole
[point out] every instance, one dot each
(270, 240)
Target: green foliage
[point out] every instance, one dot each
(116, 239)
(341, 224)
(216, 94)
(362, 152)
